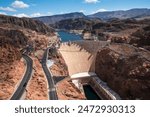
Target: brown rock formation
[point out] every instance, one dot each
(66, 90)
(25, 23)
(37, 88)
(141, 38)
(16, 34)
(126, 70)
(11, 67)
(59, 68)
(10, 75)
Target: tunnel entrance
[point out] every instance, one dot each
(90, 93)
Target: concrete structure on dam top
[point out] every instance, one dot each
(80, 55)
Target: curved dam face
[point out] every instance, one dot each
(80, 55)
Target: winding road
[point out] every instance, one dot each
(52, 89)
(20, 90)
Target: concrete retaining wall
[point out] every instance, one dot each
(103, 90)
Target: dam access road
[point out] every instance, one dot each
(20, 90)
(51, 84)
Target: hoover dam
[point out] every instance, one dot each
(80, 57)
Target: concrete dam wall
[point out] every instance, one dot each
(80, 55)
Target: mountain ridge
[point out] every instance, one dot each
(120, 14)
(56, 18)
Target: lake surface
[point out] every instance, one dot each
(66, 36)
(90, 93)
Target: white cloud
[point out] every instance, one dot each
(7, 9)
(82, 11)
(32, 15)
(91, 1)
(19, 4)
(21, 15)
(36, 15)
(99, 10)
(39, 14)
(3, 13)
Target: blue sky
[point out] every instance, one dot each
(34, 8)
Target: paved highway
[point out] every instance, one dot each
(20, 90)
(52, 89)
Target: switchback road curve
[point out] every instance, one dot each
(20, 90)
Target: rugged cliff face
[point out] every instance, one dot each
(141, 38)
(16, 34)
(27, 23)
(116, 30)
(76, 24)
(12, 37)
(131, 31)
(126, 70)
(11, 67)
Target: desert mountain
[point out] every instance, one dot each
(122, 14)
(56, 18)
(139, 13)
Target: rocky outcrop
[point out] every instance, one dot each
(16, 36)
(37, 88)
(25, 23)
(125, 69)
(9, 54)
(76, 24)
(20, 32)
(10, 75)
(116, 30)
(141, 38)
(59, 68)
(66, 90)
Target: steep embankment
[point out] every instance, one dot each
(126, 70)
(17, 35)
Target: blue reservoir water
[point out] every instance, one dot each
(66, 36)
